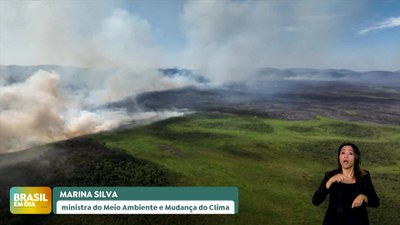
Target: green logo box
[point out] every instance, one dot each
(153, 194)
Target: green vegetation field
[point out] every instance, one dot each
(276, 164)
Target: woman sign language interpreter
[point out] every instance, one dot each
(350, 190)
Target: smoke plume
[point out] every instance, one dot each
(40, 110)
(118, 48)
(30, 112)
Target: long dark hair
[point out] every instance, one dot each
(358, 172)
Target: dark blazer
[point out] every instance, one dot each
(341, 197)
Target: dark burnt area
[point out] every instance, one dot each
(290, 100)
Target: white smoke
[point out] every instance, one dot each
(97, 36)
(83, 34)
(39, 110)
(30, 112)
(229, 40)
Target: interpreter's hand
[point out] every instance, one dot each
(339, 178)
(358, 201)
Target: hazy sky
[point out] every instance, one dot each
(221, 37)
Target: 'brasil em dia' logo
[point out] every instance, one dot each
(30, 200)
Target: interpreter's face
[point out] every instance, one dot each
(346, 157)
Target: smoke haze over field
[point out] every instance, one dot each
(30, 111)
(40, 110)
(121, 45)
(45, 106)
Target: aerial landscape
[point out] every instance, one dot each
(212, 93)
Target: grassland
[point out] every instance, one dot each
(276, 164)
